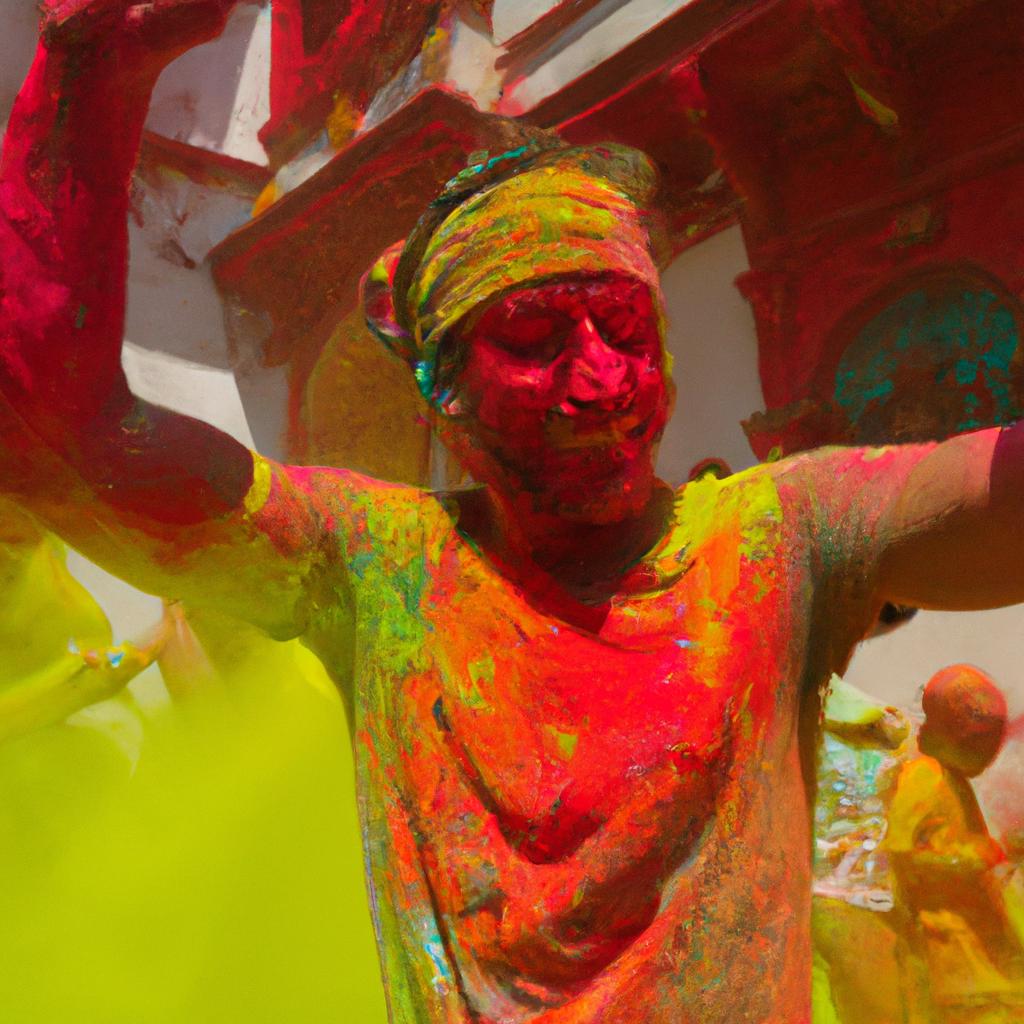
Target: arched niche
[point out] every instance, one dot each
(933, 355)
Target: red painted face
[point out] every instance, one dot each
(562, 396)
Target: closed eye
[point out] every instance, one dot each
(535, 338)
(626, 328)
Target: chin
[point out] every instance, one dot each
(599, 506)
(598, 515)
(594, 487)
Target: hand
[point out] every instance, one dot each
(159, 29)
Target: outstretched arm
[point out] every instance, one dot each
(166, 501)
(955, 530)
(929, 525)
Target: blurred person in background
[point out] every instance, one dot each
(950, 873)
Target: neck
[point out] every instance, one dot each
(580, 556)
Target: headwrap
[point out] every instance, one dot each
(524, 217)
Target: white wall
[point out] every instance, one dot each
(216, 96)
(17, 44)
(510, 17)
(714, 350)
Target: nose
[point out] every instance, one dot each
(597, 372)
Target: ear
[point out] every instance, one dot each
(376, 290)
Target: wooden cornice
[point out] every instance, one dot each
(663, 45)
(204, 166)
(299, 262)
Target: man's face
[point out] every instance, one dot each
(561, 395)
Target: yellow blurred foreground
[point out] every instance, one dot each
(199, 862)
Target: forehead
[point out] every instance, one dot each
(568, 294)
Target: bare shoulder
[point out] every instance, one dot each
(768, 487)
(749, 504)
(835, 465)
(820, 489)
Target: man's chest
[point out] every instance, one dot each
(554, 728)
(542, 720)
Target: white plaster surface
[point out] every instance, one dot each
(601, 38)
(216, 96)
(19, 19)
(471, 65)
(206, 392)
(714, 349)
(173, 304)
(896, 666)
(264, 393)
(510, 17)
(314, 157)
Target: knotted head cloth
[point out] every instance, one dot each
(526, 217)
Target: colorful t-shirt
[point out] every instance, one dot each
(569, 825)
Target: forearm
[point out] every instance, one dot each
(65, 176)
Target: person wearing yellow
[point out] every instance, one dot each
(947, 866)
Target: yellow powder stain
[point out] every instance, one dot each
(343, 121)
(270, 195)
(259, 491)
(565, 742)
(884, 116)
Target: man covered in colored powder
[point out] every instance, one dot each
(584, 707)
(947, 865)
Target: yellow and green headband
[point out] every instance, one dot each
(521, 218)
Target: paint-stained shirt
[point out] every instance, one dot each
(564, 825)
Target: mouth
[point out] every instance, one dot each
(640, 429)
(598, 431)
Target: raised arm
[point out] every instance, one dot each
(163, 500)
